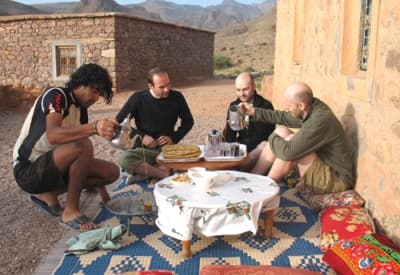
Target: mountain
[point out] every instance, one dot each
(8, 7)
(250, 45)
(87, 6)
(267, 5)
(178, 14)
(215, 17)
(59, 7)
(84, 6)
(241, 12)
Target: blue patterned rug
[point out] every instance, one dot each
(294, 244)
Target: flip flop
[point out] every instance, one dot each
(135, 179)
(75, 223)
(54, 210)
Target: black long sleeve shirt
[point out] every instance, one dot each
(158, 116)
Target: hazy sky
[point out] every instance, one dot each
(123, 2)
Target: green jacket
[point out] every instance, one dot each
(320, 132)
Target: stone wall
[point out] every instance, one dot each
(182, 51)
(314, 44)
(127, 46)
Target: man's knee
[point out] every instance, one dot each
(83, 146)
(113, 172)
(283, 132)
(129, 160)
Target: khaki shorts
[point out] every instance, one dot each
(132, 158)
(321, 179)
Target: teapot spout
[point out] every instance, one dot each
(134, 139)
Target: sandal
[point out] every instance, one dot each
(54, 210)
(75, 224)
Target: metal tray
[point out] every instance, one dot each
(242, 149)
(129, 205)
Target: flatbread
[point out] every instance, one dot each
(181, 179)
(181, 151)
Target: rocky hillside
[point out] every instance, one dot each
(215, 17)
(86, 6)
(8, 7)
(250, 46)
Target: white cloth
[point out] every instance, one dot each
(232, 206)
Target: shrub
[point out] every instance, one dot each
(249, 69)
(222, 62)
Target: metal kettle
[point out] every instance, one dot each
(122, 139)
(236, 119)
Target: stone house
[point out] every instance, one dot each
(348, 52)
(42, 50)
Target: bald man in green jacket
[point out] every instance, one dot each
(317, 146)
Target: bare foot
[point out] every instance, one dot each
(80, 223)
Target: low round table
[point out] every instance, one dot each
(232, 206)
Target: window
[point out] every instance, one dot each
(365, 33)
(65, 60)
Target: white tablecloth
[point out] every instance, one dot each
(232, 206)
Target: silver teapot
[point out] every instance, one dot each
(236, 119)
(122, 139)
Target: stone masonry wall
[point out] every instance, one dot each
(27, 42)
(142, 45)
(127, 46)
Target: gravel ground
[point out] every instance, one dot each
(27, 233)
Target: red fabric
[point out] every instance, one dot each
(343, 223)
(370, 254)
(253, 270)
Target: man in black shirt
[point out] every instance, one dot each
(156, 111)
(255, 134)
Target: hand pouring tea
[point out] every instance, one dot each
(122, 139)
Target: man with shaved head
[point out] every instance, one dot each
(317, 147)
(255, 134)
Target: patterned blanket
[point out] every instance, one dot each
(294, 243)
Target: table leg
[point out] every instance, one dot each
(129, 225)
(268, 221)
(186, 249)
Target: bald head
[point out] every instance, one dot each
(299, 92)
(245, 87)
(298, 99)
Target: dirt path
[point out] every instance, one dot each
(27, 233)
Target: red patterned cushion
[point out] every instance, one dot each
(252, 270)
(368, 254)
(343, 223)
(319, 202)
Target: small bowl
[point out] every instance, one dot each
(195, 170)
(204, 180)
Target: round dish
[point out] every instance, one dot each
(181, 179)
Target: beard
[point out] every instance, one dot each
(297, 113)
